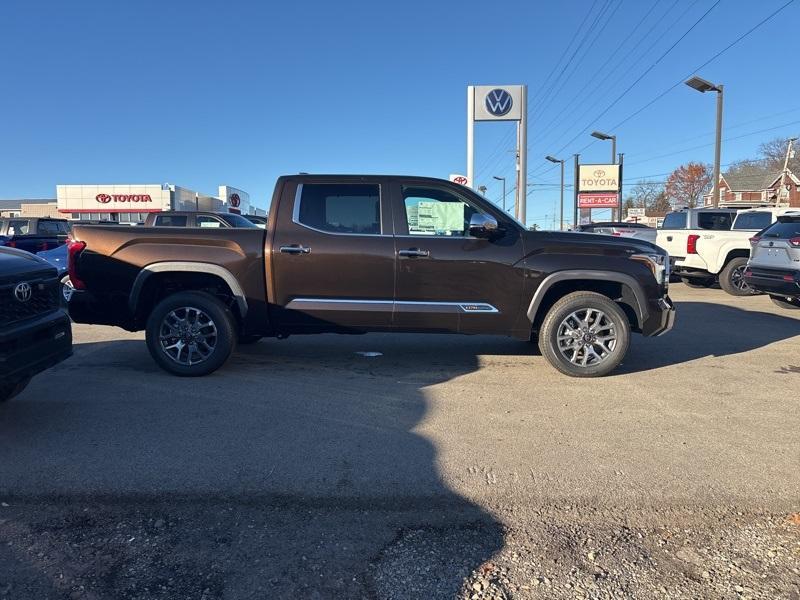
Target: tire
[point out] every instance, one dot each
(731, 278)
(9, 389)
(199, 334)
(784, 302)
(246, 340)
(565, 314)
(66, 287)
(698, 282)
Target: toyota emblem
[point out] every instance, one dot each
(103, 198)
(23, 292)
(599, 173)
(235, 200)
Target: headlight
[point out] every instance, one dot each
(658, 265)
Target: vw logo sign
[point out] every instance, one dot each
(23, 292)
(498, 102)
(103, 198)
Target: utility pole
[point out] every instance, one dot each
(503, 179)
(784, 192)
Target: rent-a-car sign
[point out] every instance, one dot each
(597, 199)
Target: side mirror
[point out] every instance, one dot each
(482, 226)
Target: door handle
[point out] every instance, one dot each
(295, 249)
(669, 238)
(414, 252)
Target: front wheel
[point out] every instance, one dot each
(585, 334)
(9, 389)
(731, 278)
(190, 334)
(785, 302)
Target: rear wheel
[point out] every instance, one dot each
(731, 278)
(585, 334)
(785, 302)
(66, 287)
(698, 282)
(9, 389)
(191, 334)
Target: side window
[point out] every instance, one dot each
(48, 227)
(754, 221)
(63, 227)
(340, 208)
(206, 221)
(674, 220)
(170, 221)
(19, 227)
(434, 211)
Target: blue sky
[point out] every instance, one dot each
(207, 93)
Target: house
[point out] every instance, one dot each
(756, 184)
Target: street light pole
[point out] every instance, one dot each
(703, 86)
(552, 159)
(607, 136)
(503, 179)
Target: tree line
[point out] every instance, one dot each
(687, 184)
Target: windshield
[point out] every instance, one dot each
(754, 221)
(716, 221)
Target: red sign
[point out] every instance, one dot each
(598, 200)
(235, 200)
(460, 179)
(106, 198)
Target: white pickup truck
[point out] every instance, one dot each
(715, 245)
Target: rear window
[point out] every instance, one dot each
(783, 230)
(674, 220)
(170, 221)
(717, 221)
(754, 221)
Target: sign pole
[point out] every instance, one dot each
(577, 171)
(470, 135)
(619, 193)
(522, 152)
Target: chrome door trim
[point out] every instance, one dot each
(395, 306)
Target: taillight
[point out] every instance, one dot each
(11, 244)
(789, 278)
(73, 250)
(754, 241)
(795, 241)
(691, 244)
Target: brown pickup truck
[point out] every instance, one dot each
(353, 254)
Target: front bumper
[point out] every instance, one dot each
(660, 317)
(781, 282)
(31, 346)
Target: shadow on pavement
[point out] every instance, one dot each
(293, 472)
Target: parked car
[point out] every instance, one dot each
(352, 254)
(721, 253)
(58, 258)
(196, 219)
(33, 234)
(774, 265)
(257, 220)
(35, 331)
(621, 229)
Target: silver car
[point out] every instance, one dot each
(774, 265)
(621, 229)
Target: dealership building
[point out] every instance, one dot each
(130, 203)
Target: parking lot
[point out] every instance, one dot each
(446, 465)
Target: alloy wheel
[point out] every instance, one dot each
(188, 335)
(737, 279)
(586, 337)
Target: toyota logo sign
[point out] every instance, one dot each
(235, 200)
(23, 292)
(498, 102)
(103, 198)
(599, 173)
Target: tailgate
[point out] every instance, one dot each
(673, 241)
(776, 254)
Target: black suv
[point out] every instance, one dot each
(35, 331)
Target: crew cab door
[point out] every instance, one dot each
(446, 279)
(333, 255)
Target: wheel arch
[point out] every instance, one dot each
(615, 285)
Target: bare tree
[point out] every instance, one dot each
(660, 206)
(773, 153)
(643, 194)
(688, 183)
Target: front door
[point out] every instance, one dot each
(446, 279)
(333, 256)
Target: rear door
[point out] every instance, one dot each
(333, 255)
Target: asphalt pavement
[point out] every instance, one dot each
(432, 466)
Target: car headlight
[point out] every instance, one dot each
(658, 265)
